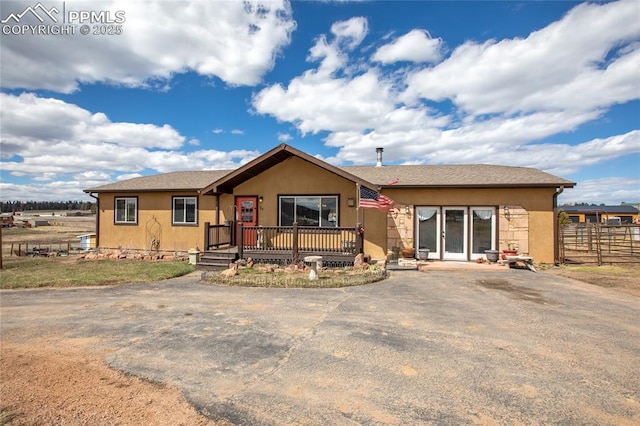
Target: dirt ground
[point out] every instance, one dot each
(60, 381)
(63, 381)
(625, 279)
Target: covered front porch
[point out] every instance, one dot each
(281, 245)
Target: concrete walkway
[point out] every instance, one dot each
(436, 347)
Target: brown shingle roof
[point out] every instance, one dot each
(465, 175)
(190, 180)
(456, 175)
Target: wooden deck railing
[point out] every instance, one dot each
(299, 240)
(286, 242)
(216, 236)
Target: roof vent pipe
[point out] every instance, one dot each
(379, 160)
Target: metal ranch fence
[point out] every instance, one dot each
(599, 244)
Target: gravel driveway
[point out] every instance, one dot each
(439, 347)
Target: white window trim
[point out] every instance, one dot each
(173, 210)
(115, 211)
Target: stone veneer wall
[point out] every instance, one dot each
(514, 229)
(400, 228)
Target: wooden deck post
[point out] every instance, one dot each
(240, 241)
(206, 236)
(359, 239)
(234, 236)
(294, 244)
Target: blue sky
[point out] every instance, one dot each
(209, 85)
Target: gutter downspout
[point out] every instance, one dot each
(97, 219)
(556, 249)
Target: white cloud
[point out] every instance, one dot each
(284, 137)
(217, 131)
(50, 191)
(168, 161)
(347, 36)
(501, 97)
(128, 176)
(49, 124)
(562, 66)
(562, 159)
(92, 175)
(415, 46)
(235, 41)
(609, 191)
(48, 139)
(350, 33)
(237, 132)
(317, 103)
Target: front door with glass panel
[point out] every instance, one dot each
(454, 233)
(247, 214)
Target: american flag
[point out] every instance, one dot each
(370, 199)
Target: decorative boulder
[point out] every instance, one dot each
(232, 272)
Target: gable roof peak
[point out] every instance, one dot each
(269, 159)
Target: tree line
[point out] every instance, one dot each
(24, 206)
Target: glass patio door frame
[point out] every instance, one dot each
(448, 240)
(478, 255)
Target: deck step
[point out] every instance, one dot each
(216, 260)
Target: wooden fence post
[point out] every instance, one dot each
(561, 229)
(597, 230)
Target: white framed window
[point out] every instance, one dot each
(308, 210)
(185, 211)
(126, 210)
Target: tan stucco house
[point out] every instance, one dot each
(456, 212)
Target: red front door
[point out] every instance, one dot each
(247, 214)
